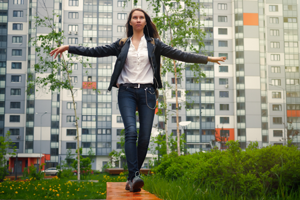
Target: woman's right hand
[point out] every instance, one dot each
(59, 50)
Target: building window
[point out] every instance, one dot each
(224, 94)
(14, 131)
(291, 44)
(222, 6)
(223, 68)
(277, 133)
(273, 8)
(223, 55)
(71, 145)
(15, 79)
(275, 57)
(104, 131)
(70, 118)
(15, 105)
(15, 91)
(174, 119)
(275, 69)
(122, 4)
(290, 19)
(119, 119)
(208, 119)
(18, 1)
(276, 107)
(73, 2)
(73, 15)
(119, 145)
(174, 106)
(14, 118)
(274, 20)
(277, 120)
(223, 43)
(276, 82)
(276, 95)
(15, 145)
(104, 118)
(222, 31)
(174, 94)
(121, 29)
(17, 26)
(70, 105)
(241, 119)
(274, 32)
(292, 81)
(73, 27)
(224, 133)
(222, 18)
(17, 13)
(17, 52)
(73, 40)
(17, 39)
(178, 80)
(73, 66)
(291, 69)
(15, 65)
(224, 106)
(275, 45)
(74, 79)
(122, 16)
(71, 132)
(91, 118)
(119, 131)
(223, 81)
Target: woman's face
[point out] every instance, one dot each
(138, 20)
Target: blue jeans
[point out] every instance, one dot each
(145, 100)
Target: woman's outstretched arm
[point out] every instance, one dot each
(100, 51)
(59, 50)
(177, 54)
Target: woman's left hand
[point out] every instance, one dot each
(216, 59)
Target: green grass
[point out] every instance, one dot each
(58, 188)
(183, 190)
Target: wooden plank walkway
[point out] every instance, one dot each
(116, 191)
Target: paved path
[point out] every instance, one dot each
(116, 191)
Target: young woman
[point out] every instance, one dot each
(137, 75)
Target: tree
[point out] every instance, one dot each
(5, 144)
(69, 157)
(53, 75)
(84, 163)
(178, 22)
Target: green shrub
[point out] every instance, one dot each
(34, 174)
(252, 172)
(65, 173)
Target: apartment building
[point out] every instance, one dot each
(253, 96)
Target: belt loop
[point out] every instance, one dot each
(139, 85)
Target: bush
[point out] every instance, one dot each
(249, 173)
(65, 173)
(34, 174)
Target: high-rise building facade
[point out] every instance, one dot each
(253, 96)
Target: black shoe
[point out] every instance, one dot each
(136, 184)
(127, 185)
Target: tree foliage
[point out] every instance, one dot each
(5, 144)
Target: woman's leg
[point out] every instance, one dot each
(146, 103)
(127, 105)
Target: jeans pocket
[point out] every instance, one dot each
(150, 98)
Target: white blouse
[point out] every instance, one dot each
(137, 68)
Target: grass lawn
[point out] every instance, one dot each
(184, 190)
(58, 188)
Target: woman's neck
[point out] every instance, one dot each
(137, 35)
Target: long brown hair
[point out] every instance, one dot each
(149, 29)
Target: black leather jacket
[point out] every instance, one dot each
(156, 48)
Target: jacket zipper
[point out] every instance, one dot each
(153, 65)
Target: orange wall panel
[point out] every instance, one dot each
(231, 133)
(250, 19)
(89, 85)
(293, 113)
